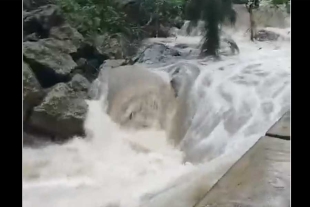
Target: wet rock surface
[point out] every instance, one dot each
(62, 111)
(157, 53)
(32, 90)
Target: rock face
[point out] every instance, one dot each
(66, 32)
(114, 47)
(63, 110)
(32, 91)
(138, 98)
(41, 20)
(50, 60)
(54, 85)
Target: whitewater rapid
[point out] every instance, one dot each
(233, 103)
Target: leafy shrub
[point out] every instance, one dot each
(277, 2)
(106, 16)
(97, 16)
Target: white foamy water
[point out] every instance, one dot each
(100, 171)
(234, 102)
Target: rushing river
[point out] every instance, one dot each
(229, 105)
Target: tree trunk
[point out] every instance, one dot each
(252, 21)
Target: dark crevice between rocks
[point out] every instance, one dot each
(88, 52)
(46, 76)
(88, 60)
(35, 28)
(278, 136)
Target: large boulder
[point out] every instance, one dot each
(41, 20)
(50, 60)
(32, 91)
(138, 98)
(62, 112)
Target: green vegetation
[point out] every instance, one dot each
(277, 2)
(110, 16)
(96, 16)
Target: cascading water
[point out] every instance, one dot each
(222, 108)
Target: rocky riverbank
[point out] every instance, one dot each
(60, 65)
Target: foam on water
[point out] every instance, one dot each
(235, 101)
(101, 170)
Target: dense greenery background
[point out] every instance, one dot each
(130, 17)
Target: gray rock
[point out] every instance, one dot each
(115, 47)
(31, 37)
(157, 53)
(41, 20)
(32, 91)
(112, 47)
(113, 63)
(51, 54)
(34, 4)
(66, 32)
(79, 84)
(81, 62)
(138, 98)
(265, 35)
(62, 112)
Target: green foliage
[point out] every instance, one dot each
(97, 16)
(240, 1)
(277, 2)
(106, 16)
(165, 9)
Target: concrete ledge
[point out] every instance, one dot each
(260, 178)
(282, 128)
